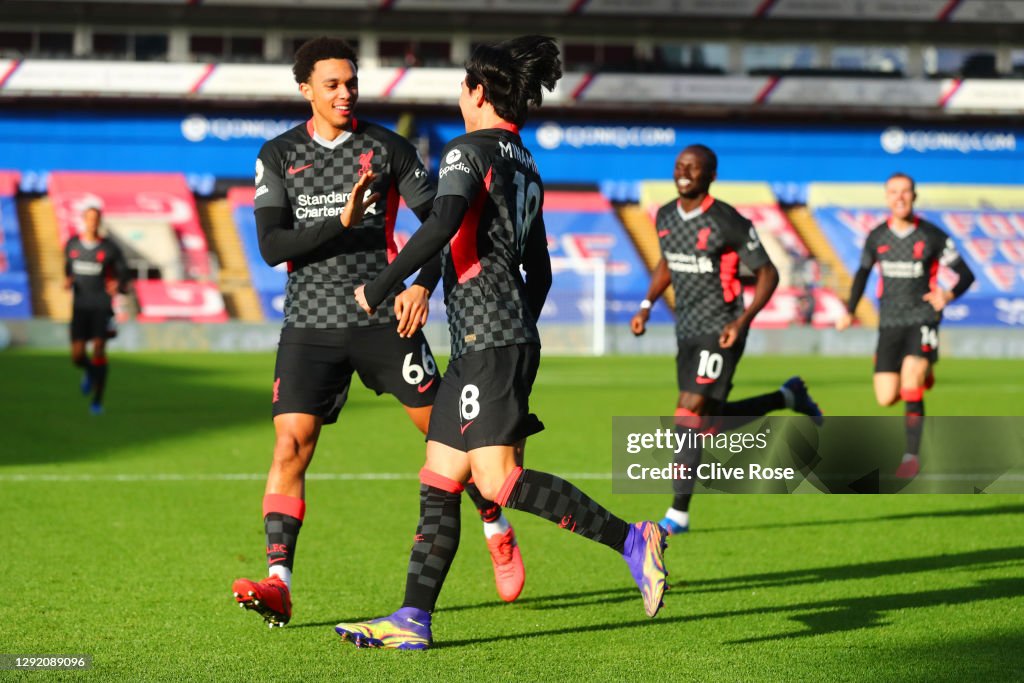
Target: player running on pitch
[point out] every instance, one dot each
(487, 219)
(95, 271)
(332, 241)
(702, 241)
(908, 251)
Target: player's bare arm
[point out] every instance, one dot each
(767, 281)
(660, 280)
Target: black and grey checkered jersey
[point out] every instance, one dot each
(90, 266)
(908, 266)
(483, 287)
(295, 172)
(702, 250)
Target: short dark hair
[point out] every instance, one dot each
(710, 158)
(513, 73)
(900, 174)
(316, 49)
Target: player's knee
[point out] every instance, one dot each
(489, 483)
(692, 404)
(293, 452)
(888, 399)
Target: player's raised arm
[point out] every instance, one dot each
(279, 239)
(660, 280)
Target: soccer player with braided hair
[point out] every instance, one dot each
(487, 222)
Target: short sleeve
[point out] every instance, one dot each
(270, 189)
(462, 171)
(411, 176)
(742, 236)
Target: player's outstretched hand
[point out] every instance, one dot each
(638, 325)
(412, 306)
(361, 300)
(730, 333)
(938, 298)
(844, 321)
(358, 202)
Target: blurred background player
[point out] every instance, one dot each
(487, 219)
(909, 251)
(702, 241)
(337, 241)
(95, 270)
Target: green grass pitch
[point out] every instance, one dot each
(121, 542)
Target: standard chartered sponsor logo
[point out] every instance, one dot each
(196, 128)
(895, 140)
(327, 205)
(551, 135)
(902, 269)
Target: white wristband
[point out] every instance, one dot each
(645, 304)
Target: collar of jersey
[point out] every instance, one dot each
(690, 215)
(901, 233)
(510, 127)
(330, 144)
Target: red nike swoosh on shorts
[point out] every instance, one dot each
(426, 386)
(292, 170)
(704, 380)
(466, 426)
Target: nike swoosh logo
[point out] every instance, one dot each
(704, 380)
(466, 426)
(425, 386)
(662, 233)
(277, 559)
(292, 170)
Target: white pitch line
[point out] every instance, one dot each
(316, 476)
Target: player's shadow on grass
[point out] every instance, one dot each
(148, 403)
(817, 617)
(1015, 509)
(974, 560)
(977, 559)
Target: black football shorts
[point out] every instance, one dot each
(89, 324)
(896, 343)
(314, 368)
(484, 399)
(705, 368)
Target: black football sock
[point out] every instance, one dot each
(282, 519)
(436, 540)
(557, 500)
(755, 406)
(913, 402)
(99, 379)
(489, 510)
(689, 425)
